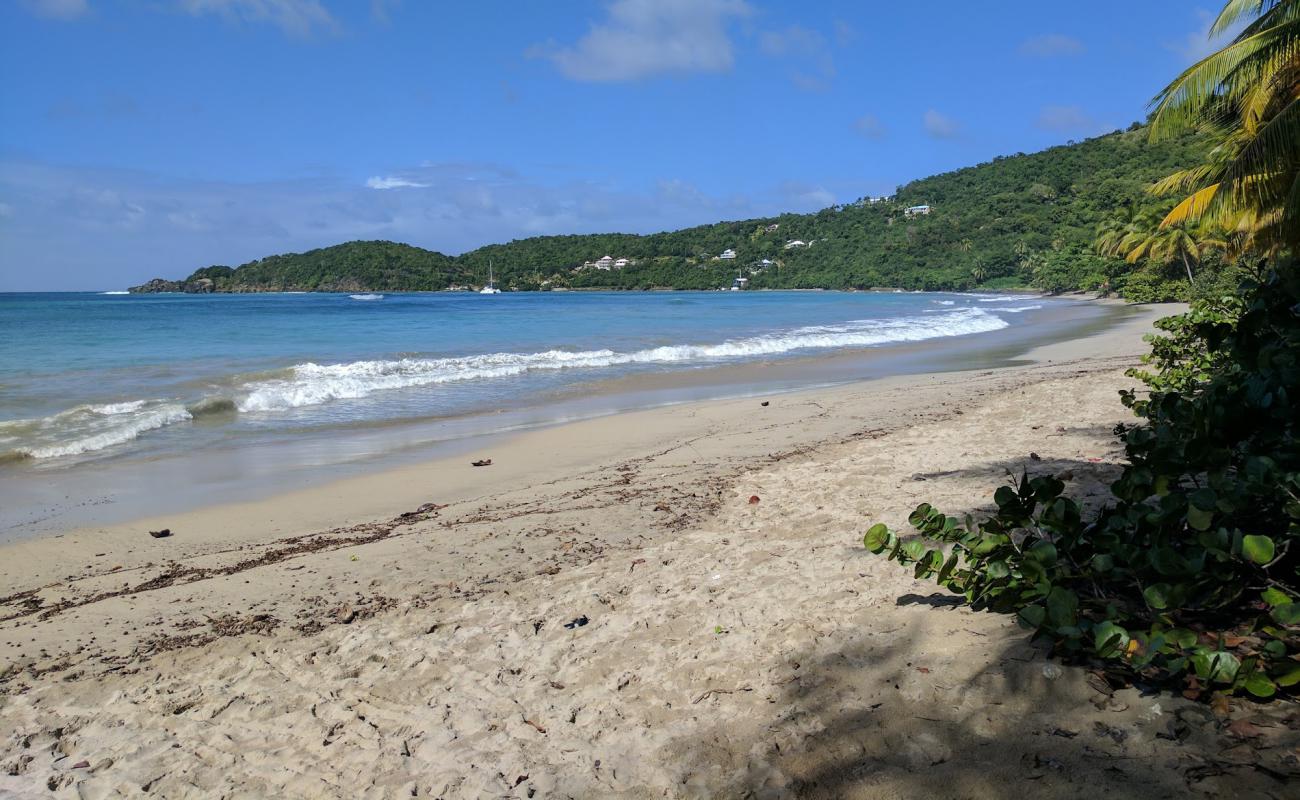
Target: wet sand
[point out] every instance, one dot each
(606, 611)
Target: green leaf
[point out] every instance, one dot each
(1103, 562)
(1157, 595)
(998, 570)
(1005, 496)
(1062, 606)
(1275, 597)
(877, 538)
(947, 567)
(1259, 685)
(915, 549)
(1032, 616)
(1288, 614)
(1258, 549)
(1290, 678)
(1044, 552)
(1109, 639)
(1199, 519)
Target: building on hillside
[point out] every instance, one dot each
(918, 211)
(605, 263)
(794, 244)
(728, 254)
(774, 226)
(739, 283)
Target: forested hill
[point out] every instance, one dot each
(1018, 220)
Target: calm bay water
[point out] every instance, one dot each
(91, 383)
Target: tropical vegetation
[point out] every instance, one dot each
(1019, 221)
(1191, 577)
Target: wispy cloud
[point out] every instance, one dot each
(1068, 120)
(58, 9)
(940, 126)
(808, 49)
(393, 182)
(106, 228)
(1198, 44)
(645, 38)
(869, 126)
(802, 196)
(296, 17)
(1051, 45)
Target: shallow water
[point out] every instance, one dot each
(97, 390)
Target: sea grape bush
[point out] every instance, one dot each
(1190, 576)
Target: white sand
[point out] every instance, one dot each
(317, 645)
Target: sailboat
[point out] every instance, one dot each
(491, 284)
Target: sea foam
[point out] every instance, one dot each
(89, 428)
(312, 384)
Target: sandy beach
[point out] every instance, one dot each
(666, 603)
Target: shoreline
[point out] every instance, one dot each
(619, 619)
(47, 499)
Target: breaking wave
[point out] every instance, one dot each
(90, 428)
(84, 429)
(312, 384)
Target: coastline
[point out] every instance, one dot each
(228, 463)
(612, 618)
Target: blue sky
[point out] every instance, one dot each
(143, 138)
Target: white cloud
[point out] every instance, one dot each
(1198, 44)
(298, 17)
(1051, 44)
(1068, 119)
(806, 47)
(869, 126)
(940, 126)
(801, 196)
(59, 9)
(393, 182)
(83, 227)
(643, 38)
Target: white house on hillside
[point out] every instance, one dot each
(621, 262)
(606, 263)
(794, 243)
(727, 254)
(916, 211)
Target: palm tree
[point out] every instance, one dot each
(1169, 243)
(978, 273)
(1248, 96)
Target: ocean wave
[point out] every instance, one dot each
(313, 384)
(123, 291)
(366, 296)
(90, 428)
(1018, 309)
(87, 428)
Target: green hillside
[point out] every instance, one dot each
(1019, 220)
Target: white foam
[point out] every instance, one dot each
(366, 296)
(1017, 309)
(85, 429)
(312, 384)
(116, 292)
(945, 302)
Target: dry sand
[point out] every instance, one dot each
(603, 612)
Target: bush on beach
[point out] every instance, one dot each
(1190, 577)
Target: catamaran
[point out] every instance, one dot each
(491, 284)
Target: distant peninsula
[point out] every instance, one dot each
(1022, 220)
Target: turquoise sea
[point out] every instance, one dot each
(100, 385)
